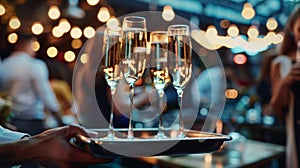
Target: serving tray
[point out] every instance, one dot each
(145, 143)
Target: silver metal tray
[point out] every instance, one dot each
(144, 143)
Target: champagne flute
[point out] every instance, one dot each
(134, 39)
(111, 67)
(180, 63)
(159, 70)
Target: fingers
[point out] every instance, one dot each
(82, 157)
(72, 130)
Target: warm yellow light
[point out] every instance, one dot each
(278, 39)
(57, 32)
(233, 31)
(52, 52)
(231, 93)
(92, 2)
(272, 24)
(69, 56)
(248, 12)
(211, 31)
(252, 32)
(89, 32)
(113, 22)
(54, 12)
(84, 58)
(14, 22)
(76, 32)
(103, 14)
(35, 46)
(76, 43)
(37, 28)
(64, 25)
(168, 13)
(12, 38)
(2, 10)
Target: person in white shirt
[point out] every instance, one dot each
(25, 79)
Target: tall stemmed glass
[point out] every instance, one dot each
(159, 70)
(111, 67)
(180, 63)
(134, 39)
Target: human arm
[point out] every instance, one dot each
(50, 148)
(281, 87)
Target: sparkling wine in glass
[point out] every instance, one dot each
(159, 70)
(111, 67)
(180, 63)
(134, 39)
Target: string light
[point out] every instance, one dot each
(64, 25)
(240, 59)
(14, 22)
(168, 13)
(35, 46)
(271, 24)
(37, 28)
(113, 22)
(248, 12)
(92, 2)
(76, 32)
(252, 32)
(76, 43)
(54, 12)
(57, 32)
(103, 14)
(69, 56)
(89, 32)
(2, 10)
(84, 58)
(231, 93)
(12, 38)
(233, 31)
(52, 52)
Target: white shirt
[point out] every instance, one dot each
(7, 135)
(25, 79)
(291, 159)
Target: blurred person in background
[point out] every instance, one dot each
(284, 74)
(25, 79)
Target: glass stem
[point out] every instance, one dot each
(130, 127)
(181, 124)
(110, 133)
(160, 133)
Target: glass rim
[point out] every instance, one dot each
(179, 26)
(138, 19)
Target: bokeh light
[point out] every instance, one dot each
(76, 43)
(2, 10)
(89, 32)
(103, 14)
(52, 52)
(54, 12)
(35, 46)
(240, 59)
(12, 38)
(69, 56)
(14, 22)
(37, 28)
(272, 24)
(76, 32)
